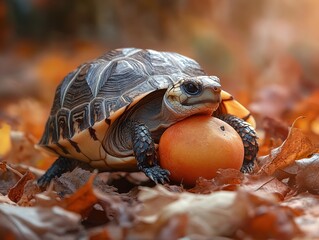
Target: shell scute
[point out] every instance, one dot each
(97, 110)
(63, 120)
(79, 119)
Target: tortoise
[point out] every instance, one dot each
(109, 113)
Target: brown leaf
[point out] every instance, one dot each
(70, 182)
(226, 179)
(23, 151)
(262, 183)
(16, 192)
(306, 207)
(47, 198)
(295, 147)
(8, 178)
(266, 219)
(31, 189)
(175, 228)
(215, 214)
(82, 200)
(39, 223)
(307, 178)
(231, 180)
(116, 209)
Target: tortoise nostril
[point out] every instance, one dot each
(216, 89)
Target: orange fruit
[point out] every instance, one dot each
(197, 147)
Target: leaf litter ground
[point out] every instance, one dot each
(278, 201)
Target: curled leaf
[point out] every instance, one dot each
(296, 146)
(16, 192)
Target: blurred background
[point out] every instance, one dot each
(265, 52)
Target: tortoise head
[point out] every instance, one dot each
(193, 95)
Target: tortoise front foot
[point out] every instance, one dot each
(60, 166)
(145, 153)
(156, 174)
(247, 167)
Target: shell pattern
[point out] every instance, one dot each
(90, 98)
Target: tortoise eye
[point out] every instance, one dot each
(192, 88)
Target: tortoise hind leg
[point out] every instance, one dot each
(60, 166)
(249, 137)
(145, 152)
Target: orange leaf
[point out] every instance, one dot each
(82, 200)
(5, 145)
(16, 192)
(266, 219)
(296, 146)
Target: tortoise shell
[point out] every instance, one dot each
(93, 96)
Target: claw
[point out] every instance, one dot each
(167, 179)
(162, 180)
(152, 178)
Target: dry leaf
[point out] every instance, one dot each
(306, 206)
(215, 214)
(295, 147)
(262, 183)
(266, 219)
(117, 210)
(82, 200)
(23, 151)
(8, 178)
(39, 223)
(307, 178)
(16, 192)
(47, 198)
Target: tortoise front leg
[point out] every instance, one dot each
(145, 153)
(60, 166)
(249, 138)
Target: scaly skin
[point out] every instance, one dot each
(249, 138)
(145, 153)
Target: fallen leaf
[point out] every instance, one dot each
(23, 151)
(261, 183)
(275, 132)
(215, 214)
(266, 218)
(307, 178)
(176, 228)
(117, 210)
(39, 223)
(232, 179)
(306, 206)
(16, 192)
(295, 147)
(70, 182)
(8, 178)
(31, 189)
(82, 200)
(48, 198)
